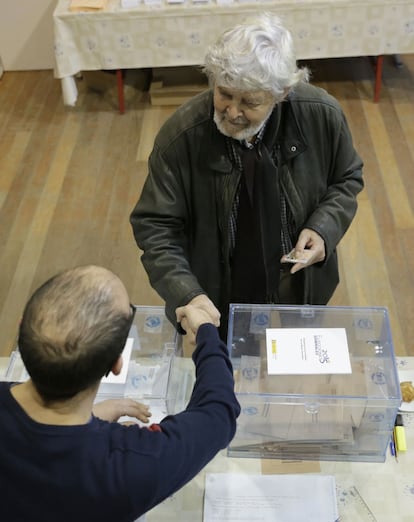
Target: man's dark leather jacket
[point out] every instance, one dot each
(181, 219)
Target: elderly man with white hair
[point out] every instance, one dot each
(258, 170)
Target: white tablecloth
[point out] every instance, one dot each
(178, 34)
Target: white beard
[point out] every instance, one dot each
(244, 134)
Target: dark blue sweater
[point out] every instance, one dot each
(107, 472)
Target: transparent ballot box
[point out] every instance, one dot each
(154, 372)
(157, 374)
(314, 382)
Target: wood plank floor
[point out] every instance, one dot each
(69, 178)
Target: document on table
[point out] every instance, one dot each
(270, 498)
(307, 351)
(87, 5)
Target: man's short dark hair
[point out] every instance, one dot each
(71, 332)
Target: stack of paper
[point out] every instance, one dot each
(87, 5)
(268, 498)
(126, 4)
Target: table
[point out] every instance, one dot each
(177, 34)
(386, 488)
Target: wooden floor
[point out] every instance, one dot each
(70, 177)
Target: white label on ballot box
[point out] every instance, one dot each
(307, 351)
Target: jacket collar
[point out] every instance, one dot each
(282, 122)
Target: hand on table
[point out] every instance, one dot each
(112, 409)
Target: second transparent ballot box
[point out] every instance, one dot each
(314, 382)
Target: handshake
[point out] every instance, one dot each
(198, 311)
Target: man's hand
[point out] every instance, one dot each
(309, 245)
(198, 311)
(203, 303)
(112, 409)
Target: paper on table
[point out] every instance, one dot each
(352, 506)
(266, 498)
(87, 5)
(307, 351)
(125, 4)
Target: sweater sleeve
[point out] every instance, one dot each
(189, 440)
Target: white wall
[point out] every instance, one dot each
(26, 34)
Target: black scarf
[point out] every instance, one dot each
(257, 251)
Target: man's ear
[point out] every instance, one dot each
(117, 366)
